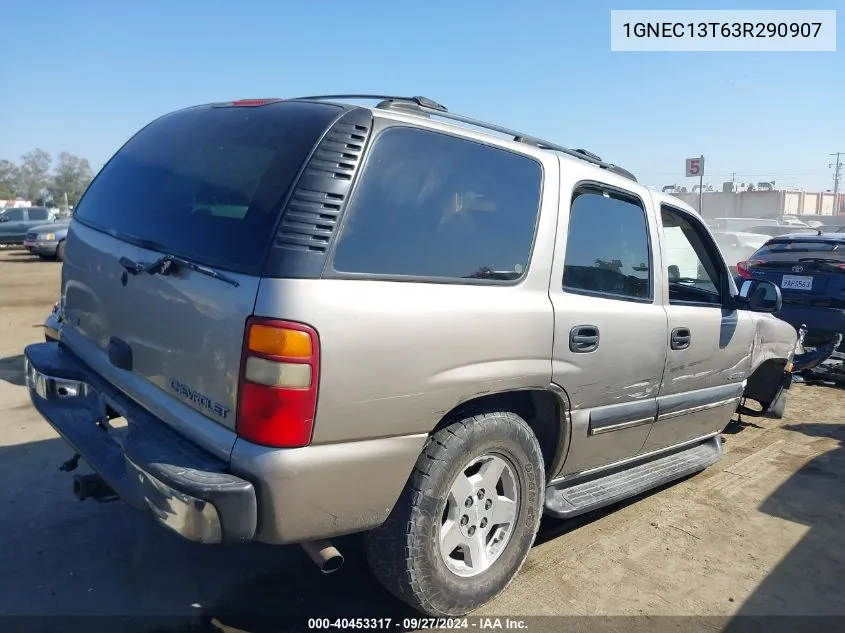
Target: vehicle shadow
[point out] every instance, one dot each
(66, 558)
(20, 257)
(12, 370)
(809, 580)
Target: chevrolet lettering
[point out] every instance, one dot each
(187, 392)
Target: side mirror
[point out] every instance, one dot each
(760, 296)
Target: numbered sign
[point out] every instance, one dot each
(695, 166)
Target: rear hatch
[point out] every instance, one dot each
(810, 270)
(204, 185)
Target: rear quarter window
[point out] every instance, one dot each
(207, 183)
(431, 205)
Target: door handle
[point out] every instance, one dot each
(681, 338)
(583, 338)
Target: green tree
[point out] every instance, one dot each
(8, 180)
(33, 174)
(71, 176)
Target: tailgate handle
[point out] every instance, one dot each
(681, 338)
(583, 338)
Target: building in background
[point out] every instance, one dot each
(14, 204)
(763, 200)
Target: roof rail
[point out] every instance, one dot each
(422, 102)
(429, 106)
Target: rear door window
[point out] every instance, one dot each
(38, 214)
(207, 183)
(430, 205)
(607, 248)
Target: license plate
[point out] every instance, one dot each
(796, 282)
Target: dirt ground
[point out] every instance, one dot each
(760, 533)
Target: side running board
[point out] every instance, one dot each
(568, 499)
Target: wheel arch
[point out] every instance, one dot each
(765, 382)
(545, 410)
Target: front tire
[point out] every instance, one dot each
(60, 252)
(467, 517)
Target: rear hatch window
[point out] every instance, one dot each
(803, 267)
(206, 183)
(787, 251)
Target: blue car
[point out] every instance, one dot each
(809, 269)
(48, 240)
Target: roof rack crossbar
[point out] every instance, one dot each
(431, 106)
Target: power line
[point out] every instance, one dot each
(838, 166)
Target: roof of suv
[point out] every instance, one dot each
(422, 111)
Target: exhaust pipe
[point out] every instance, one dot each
(324, 555)
(92, 487)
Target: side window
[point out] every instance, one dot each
(38, 214)
(436, 206)
(694, 275)
(607, 247)
(14, 215)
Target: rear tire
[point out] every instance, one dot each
(467, 517)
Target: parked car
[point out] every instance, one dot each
(320, 318)
(810, 272)
(740, 224)
(773, 231)
(792, 220)
(16, 222)
(48, 240)
(738, 246)
(832, 228)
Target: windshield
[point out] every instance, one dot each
(206, 183)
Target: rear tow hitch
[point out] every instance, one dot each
(92, 487)
(71, 464)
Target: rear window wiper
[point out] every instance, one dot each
(163, 265)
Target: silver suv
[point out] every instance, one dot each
(319, 318)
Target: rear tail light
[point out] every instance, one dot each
(743, 268)
(278, 386)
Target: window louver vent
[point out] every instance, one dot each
(312, 212)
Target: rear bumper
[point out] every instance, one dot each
(275, 496)
(817, 320)
(148, 465)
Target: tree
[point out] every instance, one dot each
(33, 174)
(71, 176)
(8, 180)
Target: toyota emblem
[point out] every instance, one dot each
(797, 269)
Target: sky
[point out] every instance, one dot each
(83, 76)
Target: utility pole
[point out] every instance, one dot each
(837, 166)
(701, 188)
